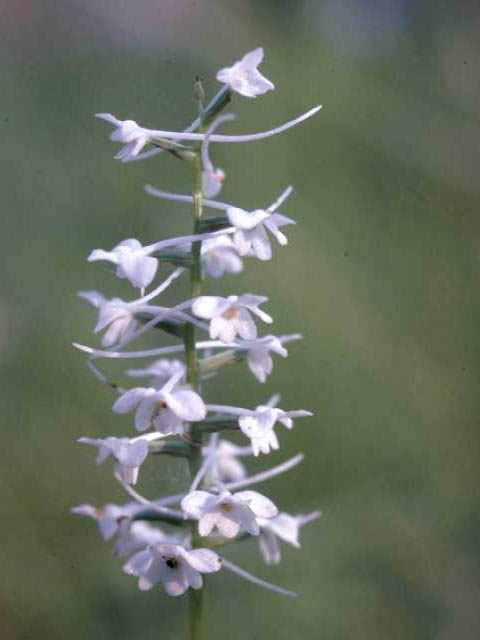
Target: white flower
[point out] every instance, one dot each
(129, 454)
(166, 409)
(219, 256)
(108, 517)
(250, 237)
(244, 77)
(285, 527)
(160, 371)
(228, 512)
(132, 260)
(258, 426)
(136, 137)
(129, 133)
(115, 316)
(231, 316)
(174, 566)
(259, 360)
(225, 466)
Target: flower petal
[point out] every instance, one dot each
(228, 527)
(130, 399)
(260, 505)
(244, 325)
(207, 522)
(100, 254)
(186, 404)
(145, 413)
(93, 297)
(208, 307)
(203, 560)
(223, 329)
(196, 503)
(139, 269)
(246, 220)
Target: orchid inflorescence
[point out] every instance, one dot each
(170, 410)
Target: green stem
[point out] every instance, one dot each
(197, 609)
(195, 596)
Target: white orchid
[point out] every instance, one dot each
(159, 371)
(259, 359)
(219, 256)
(250, 237)
(244, 77)
(135, 137)
(224, 465)
(228, 512)
(174, 566)
(283, 526)
(258, 425)
(128, 132)
(167, 408)
(115, 317)
(231, 316)
(129, 454)
(108, 517)
(132, 260)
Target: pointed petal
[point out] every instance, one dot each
(100, 254)
(108, 117)
(253, 58)
(93, 297)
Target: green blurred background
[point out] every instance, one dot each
(380, 276)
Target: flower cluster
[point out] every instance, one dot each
(170, 409)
